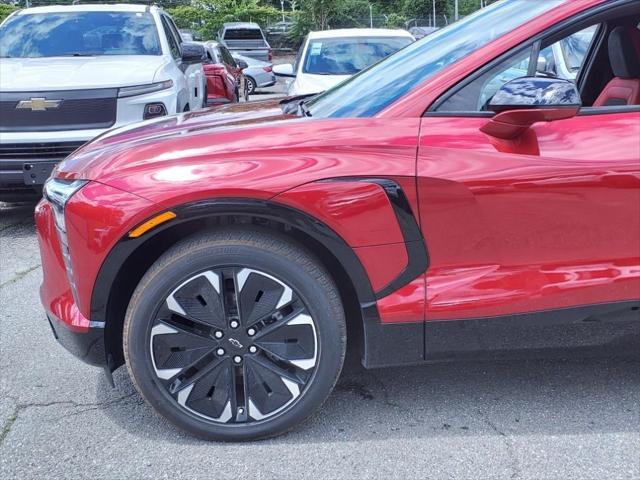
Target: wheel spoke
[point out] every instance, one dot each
(174, 350)
(259, 295)
(268, 391)
(199, 299)
(210, 395)
(293, 341)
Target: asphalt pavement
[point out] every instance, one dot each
(59, 418)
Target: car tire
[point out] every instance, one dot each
(251, 85)
(224, 381)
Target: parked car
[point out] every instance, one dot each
(245, 38)
(188, 35)
(69, 73)
(277, 34)
(229, 257)
(328, 57)
(257, 74)
(225, 80)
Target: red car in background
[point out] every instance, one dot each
(225, 82)
(432, 207)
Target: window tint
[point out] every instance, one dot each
(79, 34)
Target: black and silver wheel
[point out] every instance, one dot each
(235, 335)
(251, 85)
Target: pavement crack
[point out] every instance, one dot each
(19, 275)
(515, 465)
(84, 406)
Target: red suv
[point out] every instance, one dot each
(434, 207)
(225, 81)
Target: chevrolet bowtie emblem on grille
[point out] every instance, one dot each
(38, 104)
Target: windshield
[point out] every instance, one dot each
(347, 56)
(79, 34)
(375, 88)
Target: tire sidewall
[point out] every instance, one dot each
(329, 323)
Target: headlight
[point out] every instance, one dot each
(58, 192)
(143, 89)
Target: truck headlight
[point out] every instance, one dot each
(58, 192)
(144, 89)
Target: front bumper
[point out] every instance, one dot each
(87, 345)
(83, 338)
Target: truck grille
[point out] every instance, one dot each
(37, 151)
(57, 110)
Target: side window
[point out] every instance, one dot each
(562, 59)
(173, 43)
(565, 58)
(227, 57)
(474, 96)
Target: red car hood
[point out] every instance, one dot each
(123, 147)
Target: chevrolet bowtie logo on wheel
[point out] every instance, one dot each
(38, 104)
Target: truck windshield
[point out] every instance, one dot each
(377, 87)
(69, 34)
(346, 56)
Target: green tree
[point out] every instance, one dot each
(6, 10)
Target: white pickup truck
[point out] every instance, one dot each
(69, 73)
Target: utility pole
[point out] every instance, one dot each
(370, 16)
(456, 14)
(434, 13)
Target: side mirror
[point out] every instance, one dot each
(242, 64)
(192, 52)
(542, 64)
(284, 70)
(524, 101)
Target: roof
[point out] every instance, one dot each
(360, 32)
(251, 25)
(87, 7)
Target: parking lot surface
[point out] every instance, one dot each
(575, 419)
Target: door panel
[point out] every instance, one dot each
(547, 221)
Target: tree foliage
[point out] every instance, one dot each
(6, 10)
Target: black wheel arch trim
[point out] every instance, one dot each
(374, 332)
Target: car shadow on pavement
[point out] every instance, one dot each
(573, 396)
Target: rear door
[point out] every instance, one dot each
(548, 221)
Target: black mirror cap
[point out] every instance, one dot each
(242, 64)
(192, 53)
(535, 92)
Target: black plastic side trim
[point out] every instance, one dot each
(87, 346)
(595, 329)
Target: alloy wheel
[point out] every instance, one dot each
(233, 345)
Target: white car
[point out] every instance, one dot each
(328, 57)
(69, 73)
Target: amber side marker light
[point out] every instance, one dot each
(151, 223)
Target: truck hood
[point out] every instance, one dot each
(75, 73)
(205, 133)
(308, 83)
